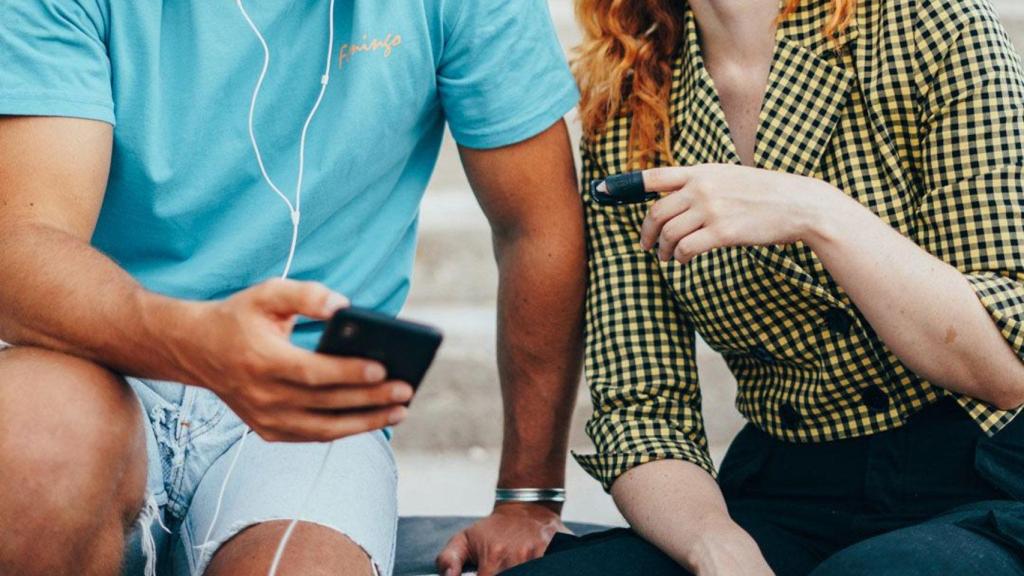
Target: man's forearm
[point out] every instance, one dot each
(539, 329)
(61, 294)
(528, 192)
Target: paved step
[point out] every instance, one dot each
(1012, 14)
(459, 405)
(454, 258)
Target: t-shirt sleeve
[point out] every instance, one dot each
(53, 59)
(502, 76)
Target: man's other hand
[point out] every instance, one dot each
(514, 533)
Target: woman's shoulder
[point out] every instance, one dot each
(927, 26)
(917, 39)
(942, 10)
(936, 12)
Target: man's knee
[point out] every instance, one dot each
(71, 442)
(312, 550)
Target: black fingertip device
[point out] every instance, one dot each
(621, 190)
(406, 349)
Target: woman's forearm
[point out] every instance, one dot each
(922, 308)
(679, 508)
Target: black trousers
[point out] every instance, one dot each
(934, 497)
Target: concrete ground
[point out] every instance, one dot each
(449, 448)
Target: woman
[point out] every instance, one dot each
(841, 215)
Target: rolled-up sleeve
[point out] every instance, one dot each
(972, 165)
(640, 354)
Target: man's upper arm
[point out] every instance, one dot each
(520, 187)
(56, 112)
(53, 172)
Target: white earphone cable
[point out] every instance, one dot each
(294, 209)
(295, 217)
(324, 80)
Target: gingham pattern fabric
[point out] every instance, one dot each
(918, 113)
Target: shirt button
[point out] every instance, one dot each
(788, 415)
(761, 354)
(838, 322)
(874, 398)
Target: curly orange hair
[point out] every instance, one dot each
(625, 65)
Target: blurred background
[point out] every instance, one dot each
(448, 449)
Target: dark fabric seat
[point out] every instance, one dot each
(420, 538)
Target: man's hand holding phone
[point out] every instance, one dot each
(240, 349)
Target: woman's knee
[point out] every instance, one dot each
(924, 550)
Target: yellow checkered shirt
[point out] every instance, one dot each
(918, 113)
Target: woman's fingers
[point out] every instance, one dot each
(666, 179)
(660, 213)
(699, 242)
(675, 230)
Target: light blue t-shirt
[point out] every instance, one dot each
(186, 211)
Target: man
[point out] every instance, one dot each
(142, 257)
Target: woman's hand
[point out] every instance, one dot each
(720, 205)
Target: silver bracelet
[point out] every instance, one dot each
(529, 495)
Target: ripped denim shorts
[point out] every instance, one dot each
(192, 439)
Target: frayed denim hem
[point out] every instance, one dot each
(208, 549)
(150, 513)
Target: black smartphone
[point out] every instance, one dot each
(406, 349)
